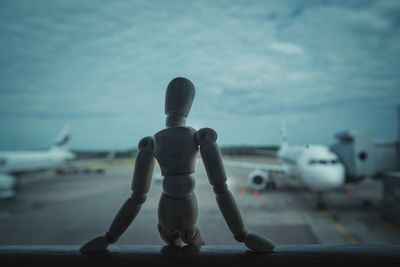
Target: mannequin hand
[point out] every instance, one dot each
(257, 243)
(96, 245)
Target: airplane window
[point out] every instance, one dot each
(312, 162)
(323, 162)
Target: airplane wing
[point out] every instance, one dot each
(92, 165)
(275, 168)
(259, 177)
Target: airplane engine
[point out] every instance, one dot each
(258, 179)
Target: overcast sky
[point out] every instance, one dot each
(103, 66)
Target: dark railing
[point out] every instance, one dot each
(293, 255)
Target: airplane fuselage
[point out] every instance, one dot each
(31, 161)
(15, 163)
(316, 166)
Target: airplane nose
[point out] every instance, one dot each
(335, 177)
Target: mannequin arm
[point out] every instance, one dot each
(143, 172)
(210, 154)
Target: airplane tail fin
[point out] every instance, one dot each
(63, 138)
(284, 136)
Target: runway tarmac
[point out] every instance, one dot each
(71, 209)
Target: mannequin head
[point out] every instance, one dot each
(178, 101)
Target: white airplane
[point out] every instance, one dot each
(16, 163)
(315, 166)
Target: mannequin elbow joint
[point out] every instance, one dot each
(138, 198)
(220, 189)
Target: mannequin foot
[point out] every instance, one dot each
(257, 243)
(97, 245)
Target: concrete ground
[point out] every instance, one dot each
(71, 209)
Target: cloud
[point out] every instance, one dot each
(286, 48)
(107, 65)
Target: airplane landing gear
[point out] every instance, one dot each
(271, 185)
(367, 203)
(319, 202)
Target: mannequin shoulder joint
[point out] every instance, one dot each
(146, 144)
(205, 136)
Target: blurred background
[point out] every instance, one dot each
(307, 72)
